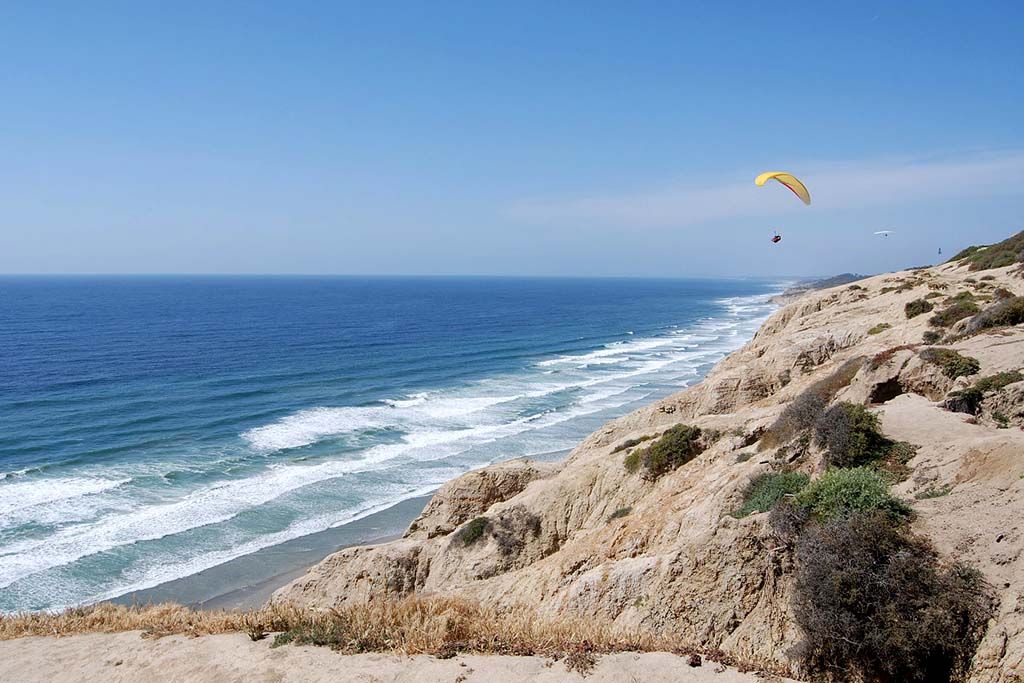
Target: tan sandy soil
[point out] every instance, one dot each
(228, 658)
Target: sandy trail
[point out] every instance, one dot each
(233, 657)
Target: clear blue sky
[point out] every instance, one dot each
(579, 138)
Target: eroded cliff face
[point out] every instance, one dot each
(588, 537)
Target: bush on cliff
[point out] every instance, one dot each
(803, 411)
(472, 531)
(917, 307)
(677, 446)
(953, 364)
(766, 490)
(1006, 313)
(875, 603)
(849, 434)
(998, 381)
(842, 492)
(960, 307)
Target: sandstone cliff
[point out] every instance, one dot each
(587, 536)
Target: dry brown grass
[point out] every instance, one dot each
(157, 620)
(436, 626)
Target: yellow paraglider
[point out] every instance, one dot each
(789, 180)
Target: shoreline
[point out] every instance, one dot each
(248, 581)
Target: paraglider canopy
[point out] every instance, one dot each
(787, 179)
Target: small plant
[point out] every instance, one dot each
(855, 288)
(254, 628)
(917, 307)
(632, 462)
(1005, 313)
(677, 446)
(988, 277)
(621, 512)
(895, 461)
(849, 433)
(998, 381)
(879, 328)
(931, 337)
(883, 357)
(766, 490)
(472, 531)
(933, 295)
(1002, 421)
(934, 492)
(959, 309)
(953, 364)
(841, 492)
(629, 443)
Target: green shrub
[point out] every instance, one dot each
(841, 492)
(472, 531)
(677, 446)
(953, 364)
(894, 463)
(955, 311)
(917, 307)
(765, 490)
(849, 434)
(1001, 420)
(875, 604)
(933, 295)
(1005, 313)
(879, 328)
(621, 512)
(988, 277)
(632, 462)
(998, 381)
(931, 337)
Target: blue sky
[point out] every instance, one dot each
(531, 138)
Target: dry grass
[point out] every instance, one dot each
(435, 626)
(156, 620)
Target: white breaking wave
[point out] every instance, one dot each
(25, 493)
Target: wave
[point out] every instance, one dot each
(30, 493)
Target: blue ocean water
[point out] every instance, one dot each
(152, 427)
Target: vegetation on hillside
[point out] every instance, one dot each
(1005, 253)
(953, 363)
(917, 307)
(676, 447)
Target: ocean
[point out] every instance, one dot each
(154, 427)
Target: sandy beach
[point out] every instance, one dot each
(247, 582)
